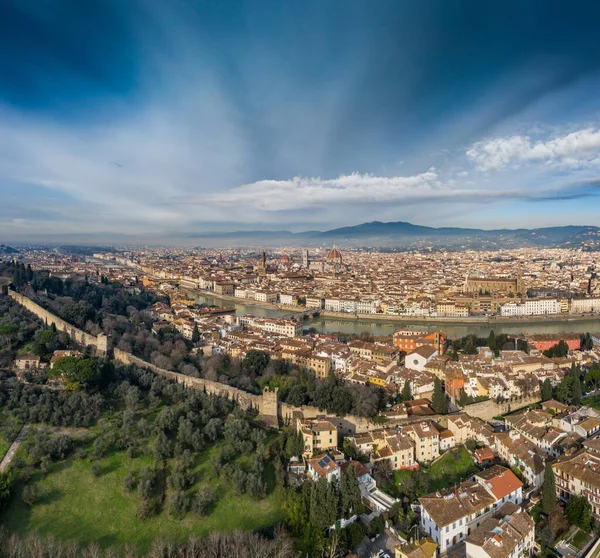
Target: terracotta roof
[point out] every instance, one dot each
(500, 481)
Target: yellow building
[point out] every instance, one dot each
(319, 435)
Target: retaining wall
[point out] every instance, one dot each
(487, 410)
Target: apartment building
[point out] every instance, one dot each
(532, 307)
(287, 328)
(426, 438)
(265, 296)
(320, 366)
(509, 534)
(223, 288)
(519, 452)
(407, 341)
(579, 475)
(450, 516)
(398, 449)
(319, 435)
(585, 305)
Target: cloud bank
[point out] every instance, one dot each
(571, 151)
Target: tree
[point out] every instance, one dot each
(256, 362)
(549, 491)
(546, 536)
(6, 484)
(579, 512)
(294, 444)
(406, 392)
(577, 392)
(30, 494)
(351, 500)
(438, 400)
(162, 447)
(178, 504)
(376, 526)
(203, 500)
(78, 373)
(592, 377)
(491, 341)
(546, 389)
(195, 335)
(561, 349)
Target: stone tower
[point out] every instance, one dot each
(103, 345)
(269, 407)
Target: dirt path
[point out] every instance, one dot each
(13, 449)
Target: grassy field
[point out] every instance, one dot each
(79, 506)
(453, 467)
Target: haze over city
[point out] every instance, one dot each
(153, 120)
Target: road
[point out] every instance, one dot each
(13, 449)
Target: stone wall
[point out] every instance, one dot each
(244, 399)
(101, 342)
(271, 410)
(487, 410)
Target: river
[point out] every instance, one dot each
(380, 327)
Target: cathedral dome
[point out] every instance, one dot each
(334, 255)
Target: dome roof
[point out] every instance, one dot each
(334, 254)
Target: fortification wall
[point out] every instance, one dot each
(487, 410)
(76, 334)
(244, 399)
(267, 404)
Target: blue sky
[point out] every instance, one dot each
(164, 117)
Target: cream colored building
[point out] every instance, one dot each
(319, 435)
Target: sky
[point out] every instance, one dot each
(163, 118)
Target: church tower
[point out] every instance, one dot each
(520, 283)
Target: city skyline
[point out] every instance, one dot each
(152, 120)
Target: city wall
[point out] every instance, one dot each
(271, 410)
(487, 410)
(244, 399)
(100, 342)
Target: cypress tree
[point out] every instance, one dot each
(549, 491)
(546, 389)
(406, 391)
(577, 392)
(438, 400)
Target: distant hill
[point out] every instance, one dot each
(402, 235)
(6, 250)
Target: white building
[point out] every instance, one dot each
(265, 296)
(532, 307)
(420, 357)
(449, 517)
(584, 305)
(367, 306)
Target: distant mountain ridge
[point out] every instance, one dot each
(4, 249)
(401, 234)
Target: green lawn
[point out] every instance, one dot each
(453, 467)
(79, 506)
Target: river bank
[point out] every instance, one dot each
(446, 320)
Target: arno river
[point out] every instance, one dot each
(380, 327)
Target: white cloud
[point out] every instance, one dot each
(578, 149)
(355, 188)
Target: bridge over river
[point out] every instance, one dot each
(329, 324)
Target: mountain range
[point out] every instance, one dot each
(403, 235)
